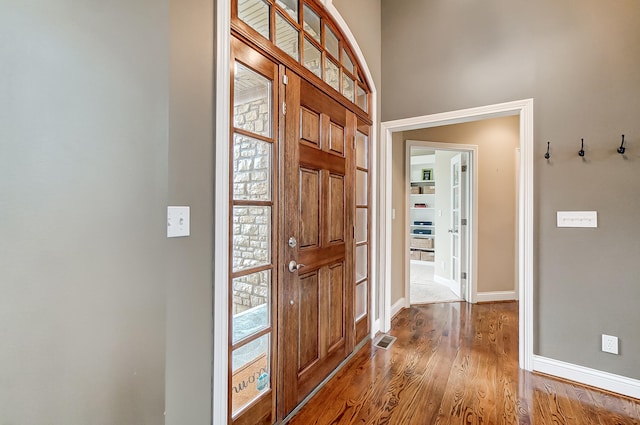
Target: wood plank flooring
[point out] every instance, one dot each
(456, 363)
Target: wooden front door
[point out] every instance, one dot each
(317, 276)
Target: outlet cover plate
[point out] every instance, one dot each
(610, 344)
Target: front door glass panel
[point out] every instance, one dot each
(252, 101)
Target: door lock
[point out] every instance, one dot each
(294, 267)
(293, 242)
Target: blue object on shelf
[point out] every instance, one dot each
(422, 231)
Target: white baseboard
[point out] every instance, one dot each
(399, 305)
(584, 375)
(448, 283)
(487, 297)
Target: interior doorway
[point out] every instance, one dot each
(439, 211)
(524, 111)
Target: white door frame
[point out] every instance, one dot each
(522, 108)
(471, 247)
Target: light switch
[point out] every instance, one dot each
(577, 219)
(177, 222)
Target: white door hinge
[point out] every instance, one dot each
(285, 80)
(284, 108)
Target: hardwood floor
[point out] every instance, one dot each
(456, 363)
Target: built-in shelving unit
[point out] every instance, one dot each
(422, 216)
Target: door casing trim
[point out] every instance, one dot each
(522, 108)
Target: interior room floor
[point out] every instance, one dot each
(424, 289)
(456, 363)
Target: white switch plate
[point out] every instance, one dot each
(177, 222)
(577, 218)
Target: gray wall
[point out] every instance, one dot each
(189, 275)
(579, 60)
(105, 119)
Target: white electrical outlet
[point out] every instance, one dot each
(610, 344)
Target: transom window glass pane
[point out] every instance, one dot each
(361, 225)
(251, 168)
(346, 61)
(251, 237)
(251, 372)
(312, 57)
(312, 23)
(291, 7)
(361, 99)
(287, 37)
(255, 13)
(361, 187)
(332, 74)
(361, 300)
(348, 87)
(331, 42)
(251, 101)
(362, 150)
(251, 304)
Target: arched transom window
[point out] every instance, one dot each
(302, 30)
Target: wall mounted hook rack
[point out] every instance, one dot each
(547, 155)
(621, 149)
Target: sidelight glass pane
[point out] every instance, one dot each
(346, 61)
(361, 99)
(255, 13)
(251, 101)
(361, 225)
(456, 197)
(312, 57)
(251, 236)
(348, 87)
(287, 37)
(331, 42)
(361, 187)
(251, 168)
(251, 372)
(361, 300)
(312, 23)
(332, 74)
(251, 304)
(290, 6)
(361, 262)
(362, 150)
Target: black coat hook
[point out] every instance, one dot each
(547, 155)
(621, 149)
(581, 151)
